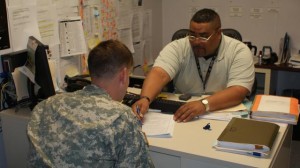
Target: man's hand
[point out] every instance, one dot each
(189, 111)
(143, 105)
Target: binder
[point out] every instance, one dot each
(275, 108)
(246, 135)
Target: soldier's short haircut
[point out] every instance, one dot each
(107, 58)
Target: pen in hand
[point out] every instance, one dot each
(139, 112)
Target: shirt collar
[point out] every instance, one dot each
(95, 90)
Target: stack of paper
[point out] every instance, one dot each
(295, 61)
(227, 114)
(157, 124)
(275, 108)
(249, 137)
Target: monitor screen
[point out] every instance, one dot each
(4, 32)
(38, 64)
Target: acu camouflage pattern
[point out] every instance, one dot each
(86, 128)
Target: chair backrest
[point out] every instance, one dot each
(232, 33)
(181, 33)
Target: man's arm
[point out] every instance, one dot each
(226, 98)
(152, 86)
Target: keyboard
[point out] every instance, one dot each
(166, 106)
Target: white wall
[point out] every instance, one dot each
(156, 7)
(266, 29)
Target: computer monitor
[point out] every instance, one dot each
(38, 64)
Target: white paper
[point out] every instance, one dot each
(27, 72)
(52, 67)
(239, 111)
(138, 55)
(20, 3)
(125, 36)
(243, 152)
(72, 37)
(125, 30)
(147, 23)
(239, 107)
(66, 8)
(23, 23)
(157, 124)
(20, 81)
(43, 2)
(274, 103)
(48, 25)
(137, 26)
(224, 116)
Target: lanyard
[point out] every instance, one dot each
(208, 71)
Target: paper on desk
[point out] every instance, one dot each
(239, 107)
(158, 125)
(239, 111)
(243, 152)
(224, 116)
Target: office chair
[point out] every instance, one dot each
(181, 33)
(232, 33)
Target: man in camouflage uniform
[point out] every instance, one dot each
(91, 127)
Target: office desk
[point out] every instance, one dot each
(191, 146)
(281, 67)
(278, 77)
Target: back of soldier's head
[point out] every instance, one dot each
(107, 58)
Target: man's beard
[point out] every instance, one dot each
(199, 51)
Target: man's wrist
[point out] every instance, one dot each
(145, 97)
(205, 103)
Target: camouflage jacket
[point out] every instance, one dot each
(86, 128)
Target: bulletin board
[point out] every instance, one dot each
(71, 28)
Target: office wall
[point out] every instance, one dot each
(156, 7)
(263, 22)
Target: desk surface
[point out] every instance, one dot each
(192, 142)
(280, 67)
